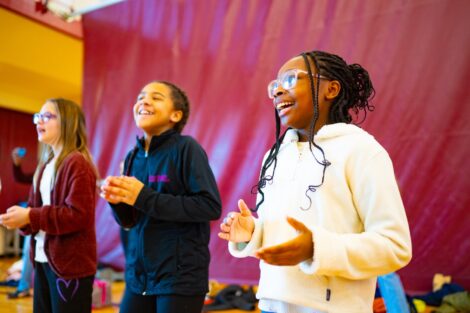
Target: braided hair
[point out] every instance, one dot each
(354, 95)
(356, 87)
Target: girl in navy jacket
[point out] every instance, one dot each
(166, 198)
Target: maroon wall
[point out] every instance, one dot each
(223, 53)
(16, 130)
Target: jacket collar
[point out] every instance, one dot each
(156, 141)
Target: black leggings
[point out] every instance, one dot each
(53, 294)
(132, 303)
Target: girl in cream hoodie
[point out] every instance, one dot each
(330, 215)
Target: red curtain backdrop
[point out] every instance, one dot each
(16, 130)
(224, 52)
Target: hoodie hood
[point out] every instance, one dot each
(326, 132)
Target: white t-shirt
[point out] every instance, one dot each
(45, 188)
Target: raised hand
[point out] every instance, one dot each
(291, 252)
(238, 227)
(17, 155)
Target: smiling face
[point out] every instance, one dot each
(295, 105)
(154, 110)
(49, 132)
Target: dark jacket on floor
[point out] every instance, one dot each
(169, 224)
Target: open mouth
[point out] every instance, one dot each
(145, 112)
(283, 107)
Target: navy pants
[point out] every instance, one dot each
(53, 294)
(132, 303)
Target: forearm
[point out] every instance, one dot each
(124, 214)
(20, 176)
(357, 256)
(60, 220)
(200, 207)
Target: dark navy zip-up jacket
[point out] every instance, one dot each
(168, 225)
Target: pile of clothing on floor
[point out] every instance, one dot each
(226, 297)
(446, 297)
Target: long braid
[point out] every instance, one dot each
(315, 89)
(270, 160)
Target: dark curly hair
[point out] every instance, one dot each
(180, 102)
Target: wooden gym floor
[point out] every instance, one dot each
(25, 305)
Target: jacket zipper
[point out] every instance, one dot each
(143, 261)
(142, 242)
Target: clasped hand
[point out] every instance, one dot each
(15, 217)
(125, 189)
(239, 227)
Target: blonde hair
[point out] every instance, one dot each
(73, 135)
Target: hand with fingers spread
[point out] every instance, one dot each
(238, 227)
(291, 252)
(125, 189)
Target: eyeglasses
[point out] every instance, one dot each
(44, 117)
(287, 80)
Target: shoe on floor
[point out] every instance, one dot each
(19, 294)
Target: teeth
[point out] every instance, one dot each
(283, 105)
(145, 112)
